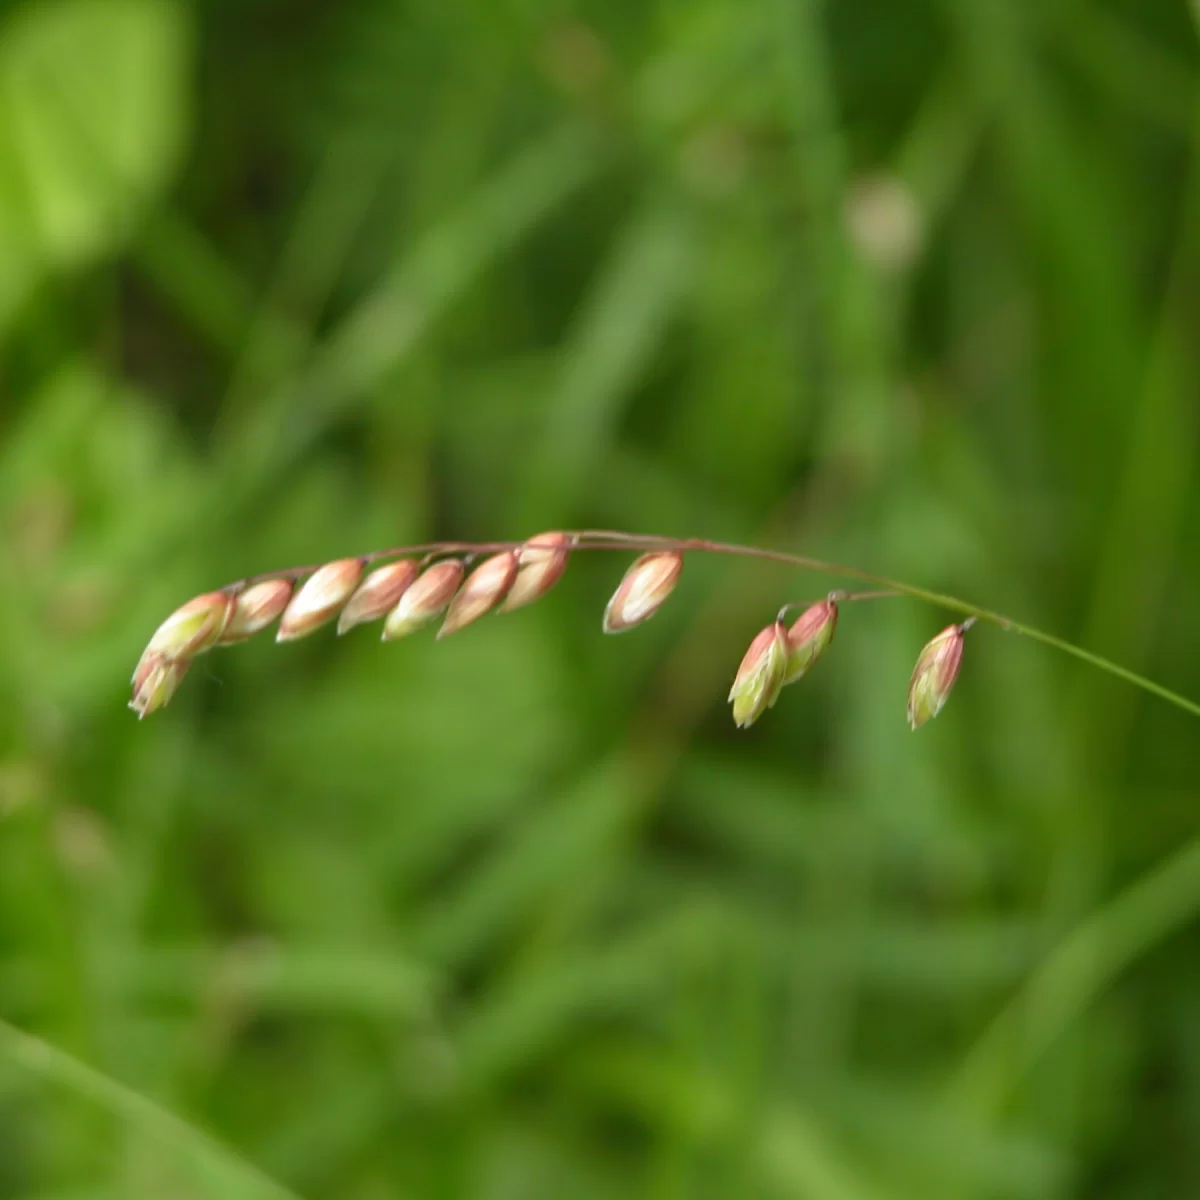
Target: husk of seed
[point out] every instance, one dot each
(482, 591)
(541, 562)
(255, 608)
(378, 594)
(424, 599)
(193, 627)
(934, 675)
(760, 677)
(808, 636)
(643, 590)
(320, 598)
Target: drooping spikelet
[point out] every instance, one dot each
(760, 676)
(155, 681)
(934, 674)
(808, 636)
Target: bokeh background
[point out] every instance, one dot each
(519, 915)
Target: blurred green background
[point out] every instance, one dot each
(520, 916)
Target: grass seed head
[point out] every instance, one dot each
(321, 596)
(642, 592)
(934, 675)
(760, 677)
(540, 564)
(808, 636)
(378, 593)
(431, 593)
(255, 609)
(484, 588)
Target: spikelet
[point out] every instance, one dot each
(378, 593)
(808, 636)
(541, 562)
(155, 681)
(256, 608)
(484, 588)
(760, 677)
(934, 675)
(424, 599)
(193, 627)
(643, 591)
(320, 598)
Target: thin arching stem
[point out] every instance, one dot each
(837, 596)
(609, 539)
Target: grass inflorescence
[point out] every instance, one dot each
(409, 587)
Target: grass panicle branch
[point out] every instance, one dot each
(408, 586)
